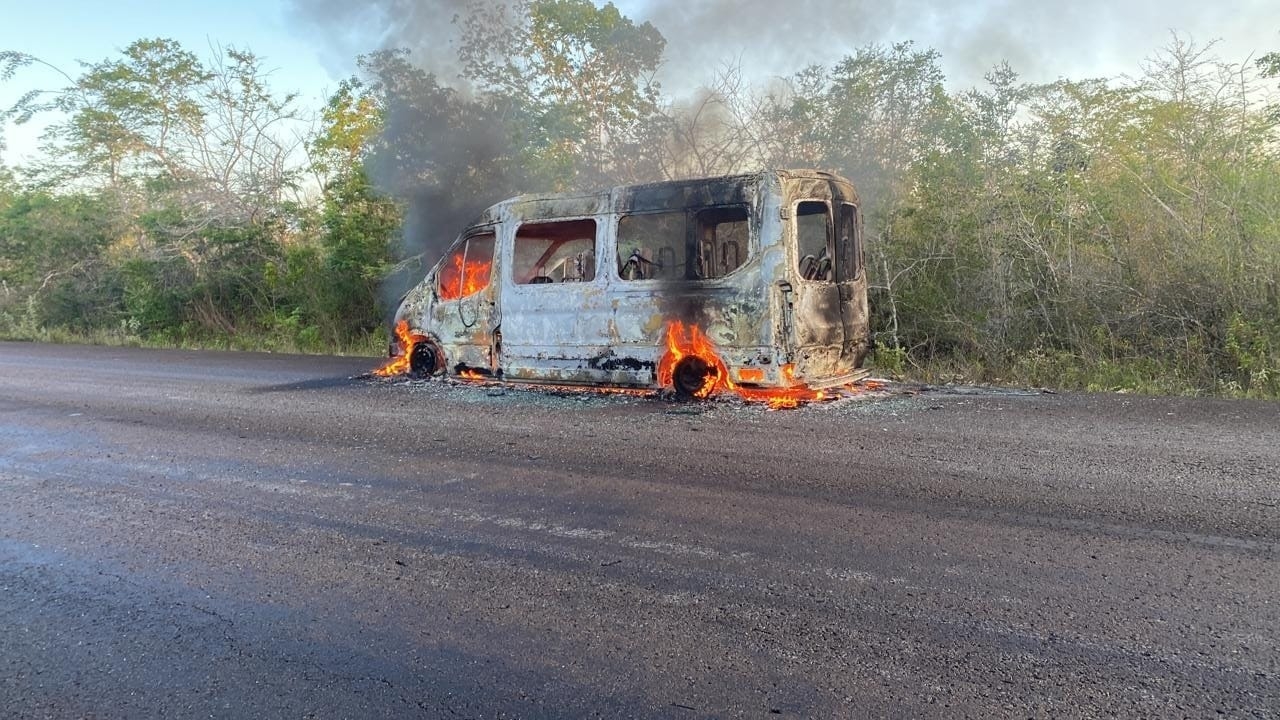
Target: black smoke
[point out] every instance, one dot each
(448, 151)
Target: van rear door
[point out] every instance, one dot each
(817, 329)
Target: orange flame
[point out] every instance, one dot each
(782, 398)
(400, 364)
(459, 281)
(683, 343)
(472, 375)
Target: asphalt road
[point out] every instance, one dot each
(190, 534)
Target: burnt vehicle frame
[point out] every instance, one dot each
(583, 289)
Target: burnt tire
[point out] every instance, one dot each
(691, 376)
(425, 359)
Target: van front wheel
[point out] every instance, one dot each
(426, 359)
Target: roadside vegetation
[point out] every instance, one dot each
(1101, 234)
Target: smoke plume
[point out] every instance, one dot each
(1042, 41)
(447, 154)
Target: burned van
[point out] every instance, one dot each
(754, 283)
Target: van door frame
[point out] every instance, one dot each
(469, 345)
(816, 327)
(558, 332)
(853, 290)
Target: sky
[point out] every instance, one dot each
(63, 32)
(311, 44)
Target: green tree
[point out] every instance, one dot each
(874, 116)
(350, 124)
(869, 116)
(198, 157)
(121, 115)
(54, 253)
(578, 77)
(360, 232)
(1098, 235)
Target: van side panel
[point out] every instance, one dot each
(560, 330)
(735, 311)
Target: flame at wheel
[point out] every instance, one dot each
(693, 368)
(403, 362)
(691, 364)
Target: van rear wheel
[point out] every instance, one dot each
(693, 377)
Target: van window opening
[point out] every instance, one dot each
(466, 269)
(849, 244)
(554, 252)
(814, 241)
(651, 246)
(722, 241)
(660, 246)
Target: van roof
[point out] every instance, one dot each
(642, 197)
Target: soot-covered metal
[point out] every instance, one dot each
(586, 288)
